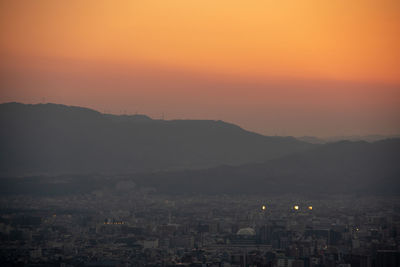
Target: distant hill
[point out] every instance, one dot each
(312, 139)
(367, 138)
(51, 138)
(342, 167)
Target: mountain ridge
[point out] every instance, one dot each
(54, 138)
(341, 167)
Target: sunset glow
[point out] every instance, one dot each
(275, 67)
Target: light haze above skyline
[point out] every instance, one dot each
(318, 68)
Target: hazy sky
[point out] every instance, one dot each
(276, 67)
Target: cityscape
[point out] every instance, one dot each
(139, 227)
(187, 133)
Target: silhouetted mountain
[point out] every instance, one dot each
(341, 167)
(50, 138)
(367, 138)
(311, 139)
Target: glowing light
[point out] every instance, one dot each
(264, 207)
(310, 207)
(296, 207)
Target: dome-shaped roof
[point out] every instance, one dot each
(246, 232)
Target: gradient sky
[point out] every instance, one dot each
(285, 67)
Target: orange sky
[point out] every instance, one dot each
(307, 67)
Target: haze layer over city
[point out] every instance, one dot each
(200, 133)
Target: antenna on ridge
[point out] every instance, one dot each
(162, 116)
